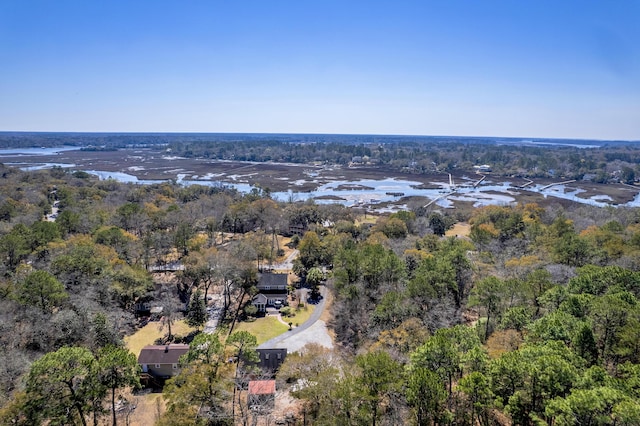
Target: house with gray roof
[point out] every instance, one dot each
(161, 361)
(272, 291)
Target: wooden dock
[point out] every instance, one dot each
(557, 183)
(526, 184)
(475, 185)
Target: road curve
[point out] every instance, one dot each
(312, 331)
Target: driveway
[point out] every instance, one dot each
(313, 330)
(287, 264)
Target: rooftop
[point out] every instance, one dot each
(162, 354)
(262, 387)
(273, 280)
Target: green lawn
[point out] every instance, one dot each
(269, 327)
(263, 328)
(300, 316)
(148, 334)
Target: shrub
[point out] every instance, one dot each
(286, 311)
(250, 310)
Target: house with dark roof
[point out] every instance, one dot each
(271, 359)
(272, 291)
(161, 361)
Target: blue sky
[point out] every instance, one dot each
(561, 68)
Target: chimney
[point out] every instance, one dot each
(166, 349)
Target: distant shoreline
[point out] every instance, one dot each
(167, 137)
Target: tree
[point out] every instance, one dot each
(627, 175)
(81, 261)
(313, 279)
(315, 372)
(537, 282)
(572, 250)
(201, 388)
(196, 311)
(392, 310)
(103, 334)
(190, 401)
(312, 251)
(448, 352)
(438, 224)
(18, 412)
(116, 368)
(584, 343)
(392, 227)
(128, 283)
(43, 232)
(378, 379)
(610, 314)
(308, 364)
(60, 383)
(43, 290)
(245, 344)
(476, 386)
(68, 221)
(426, 395)
(200, 268)
(119, 240)
(129, 215)
(486, 294)
(599, 406)
(526, 379)
(399, 342)
(13, 248)
(181, 238)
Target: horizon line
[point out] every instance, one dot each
(524, 138)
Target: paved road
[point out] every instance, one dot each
(312, 331)
(214, 310)
(287, 264)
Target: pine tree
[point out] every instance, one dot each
(196, 312)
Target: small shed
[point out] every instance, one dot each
(262, 394)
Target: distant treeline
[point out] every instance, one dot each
(597, 161)
(608, 163)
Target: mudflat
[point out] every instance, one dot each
(156, 163)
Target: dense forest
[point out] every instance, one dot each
(531, 319)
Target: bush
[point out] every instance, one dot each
(295, 240)
(250, 310)
(286, 311)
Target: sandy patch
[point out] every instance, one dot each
(461, 229)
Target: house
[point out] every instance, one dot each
(142, 309)
(272, 291)
(147, 309)
(262, 394)
(161, 361)
(485, 168)
(271, 359)
(298, 229)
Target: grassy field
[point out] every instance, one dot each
(301, 316)
(459, 229)
(263, 328)
(148, 334)
(269, 327)
(149, 407)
